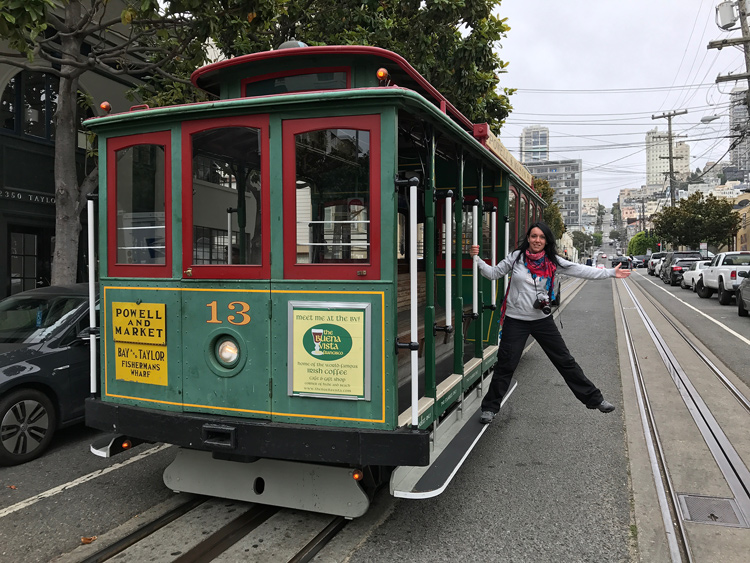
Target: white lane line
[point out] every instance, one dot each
(729, 330)
(65, 486)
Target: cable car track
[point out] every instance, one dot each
(731, 465)
(221, 540)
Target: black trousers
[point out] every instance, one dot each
(512, 343)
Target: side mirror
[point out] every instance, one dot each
(743, 274)
(85, 334)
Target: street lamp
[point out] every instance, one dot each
(709, 118)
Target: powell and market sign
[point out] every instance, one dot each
(26, 196)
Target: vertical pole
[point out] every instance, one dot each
(671, 159)
(458, 342)
(92, 297)
(413, 295)
(493, 251)
(430, 386)
(229, 235)
(474, 267)
(448, 261)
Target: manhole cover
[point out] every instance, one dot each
(711, 510)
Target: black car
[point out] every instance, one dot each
(671, 258)
(624, 262)
(44, 367)
(743, 294)
(673, 274)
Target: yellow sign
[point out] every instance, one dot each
(143, 323)
(328, 352)
(141, 363)
(139, 331)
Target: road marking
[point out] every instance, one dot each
(729, 330)
(65, 486)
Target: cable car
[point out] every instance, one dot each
(286, 290)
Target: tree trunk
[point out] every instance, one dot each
(67, 191)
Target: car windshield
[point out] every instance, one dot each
(30, 320)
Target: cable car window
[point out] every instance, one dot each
(227, 196)
(333, 196)
(512, 201)
(297, 83)
(523, 219)
(141, 205)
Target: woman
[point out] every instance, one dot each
(525, 311)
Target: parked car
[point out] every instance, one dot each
(671, 257)
(639, 261)
(692, 274)
(44, 367)
(653, 259)
(624, 262)
(673, 273)
(658, 265)
(743, 294)
(721, 275)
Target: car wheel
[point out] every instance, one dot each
(702, 291)
(741, 311)
(724, 296)
(27, 424)
(683, 285)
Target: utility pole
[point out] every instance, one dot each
(745, 42)
(669, 115)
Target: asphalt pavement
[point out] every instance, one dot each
(548, 482)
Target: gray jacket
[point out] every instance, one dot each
(524, 289)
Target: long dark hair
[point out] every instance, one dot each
(550, 247)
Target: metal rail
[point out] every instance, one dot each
(728, 460)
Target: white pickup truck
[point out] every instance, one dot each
(721, 275)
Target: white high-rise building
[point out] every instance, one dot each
(534, 146)
(657, 161)
(565, 177)
(738, 123)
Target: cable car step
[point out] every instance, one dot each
(454, 439)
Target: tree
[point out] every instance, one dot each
(597, 238)
(582, 241)
(698, 219)
(66, 38)
(453, 44)
(641, 242)
(615, 235)
(551, 215)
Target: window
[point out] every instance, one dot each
(292, 81)
(512, 215)
(523, 218)
(139, 205)
(331, 171)
(28, 104)
(224, 234)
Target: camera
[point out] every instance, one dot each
(543, 304)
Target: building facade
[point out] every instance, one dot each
(565, 177)
(657, 158)
(534, 146)
(27, 166)
(738, 123)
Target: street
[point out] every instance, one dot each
(549, 481)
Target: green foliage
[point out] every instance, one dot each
(641, 242)
(597, 238)
(583, 242)
(452, 44)
(615, 235)
(698, 219)
(551, 215)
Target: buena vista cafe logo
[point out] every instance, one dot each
(327, 342)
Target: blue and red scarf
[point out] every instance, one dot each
(540, 267)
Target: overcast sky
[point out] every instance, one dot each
(652, 53)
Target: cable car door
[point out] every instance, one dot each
(226, 279)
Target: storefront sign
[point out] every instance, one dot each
(329, 350)
(26, 196)
(140, 338)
